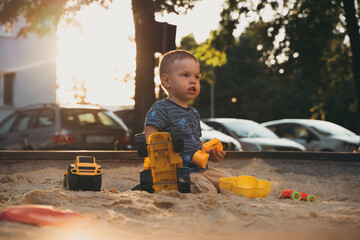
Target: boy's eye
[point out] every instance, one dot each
(197, 77)
(185, 75)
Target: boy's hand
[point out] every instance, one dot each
(217, 156)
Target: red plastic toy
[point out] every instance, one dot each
(45, 216)
(297, 196)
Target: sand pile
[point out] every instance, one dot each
(118, 213)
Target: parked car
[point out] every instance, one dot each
(252, 136)
(208, 133)
(316, 135)
(127, 115)
(49, 126)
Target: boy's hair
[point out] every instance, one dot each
(168, 59)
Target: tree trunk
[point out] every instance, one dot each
(353, 33)
(144, 20)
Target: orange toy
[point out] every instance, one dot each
(45, 216)
(297, 196)
(201, 157)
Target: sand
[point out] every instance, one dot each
(119, 213)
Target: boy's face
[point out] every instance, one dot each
(182, 81)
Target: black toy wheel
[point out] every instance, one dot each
(141, 144)
(72, 181)
(65, 181)
(177, 139)
(146, 181)
(96, 183)
(183, 179)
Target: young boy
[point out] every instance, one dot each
(180, 78)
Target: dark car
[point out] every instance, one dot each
(49, 126)
(252, 136)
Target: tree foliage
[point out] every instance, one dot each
(42, 16)
(304, 41)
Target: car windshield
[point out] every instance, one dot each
(90, 117)
(249, 129)
(330, 129)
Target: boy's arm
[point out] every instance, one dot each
(150, 129)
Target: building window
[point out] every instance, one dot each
(7, 89)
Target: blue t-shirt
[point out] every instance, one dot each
(167, 115)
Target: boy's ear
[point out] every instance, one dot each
(165, 81)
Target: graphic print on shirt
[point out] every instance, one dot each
(153, 114)
(182, 123)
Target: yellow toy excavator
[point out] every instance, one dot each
(163, 166)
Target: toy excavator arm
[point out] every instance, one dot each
(212, 144)
(201, 157)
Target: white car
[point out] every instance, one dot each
(229, 143)
(252, 136)
(316, 135)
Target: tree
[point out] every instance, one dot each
(42, 16)
(144, 19)
(304, 37)
(352, 25)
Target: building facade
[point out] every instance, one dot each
(27, 68)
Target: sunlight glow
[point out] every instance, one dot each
(204, 17)
(96, 62)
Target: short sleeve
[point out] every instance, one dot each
(157, 116)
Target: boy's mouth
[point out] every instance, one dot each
(192, 90)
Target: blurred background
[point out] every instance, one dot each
(260, 60)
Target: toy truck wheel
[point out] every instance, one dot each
(296, 196)
(146, 181)
(177, 139)
(141, 144)
(311, 198)
(72, 181)
(97, 183)
(65, 184)
(183, 179)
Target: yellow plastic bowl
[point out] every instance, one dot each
(247, 186)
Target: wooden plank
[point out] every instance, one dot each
(67, 155)
(133, 156)
(288, 155)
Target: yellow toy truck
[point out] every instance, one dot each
(163, 166)
(84, 174)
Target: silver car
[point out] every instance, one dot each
(252, 136)
(208, 133)
(48, 126)
(316, 135)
